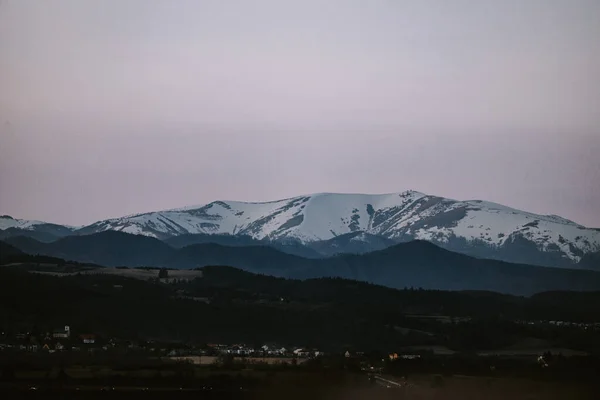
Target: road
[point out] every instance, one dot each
(388, 382)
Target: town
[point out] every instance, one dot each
(66, 340)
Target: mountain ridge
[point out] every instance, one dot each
(417, 263)
(474, 227)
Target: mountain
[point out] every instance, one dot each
(287, 246)
(257, 259)
(113, 249)
(324, 224)
(106, 248)
(423, 264)
(590, 261)
(412, 264)
(40, 236)
(39, 230)
(474, 227)
(202, 238)
(358, 242)
(7, 251)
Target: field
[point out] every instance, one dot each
(74, 269)
(302, 385)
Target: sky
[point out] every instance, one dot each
(113, 107)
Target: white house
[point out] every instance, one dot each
(88, 339)
(62, 333)
(301, 352)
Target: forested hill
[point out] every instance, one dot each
(416, 263)
(228, 305)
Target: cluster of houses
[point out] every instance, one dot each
(396, 356)
(63, 340)
(58, 340)
(568, 324)
(264, 351)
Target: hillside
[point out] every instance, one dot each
(8, 251)
(358, 242)
(290, 246)
(52, 230)
(416, 263)
(238, 306)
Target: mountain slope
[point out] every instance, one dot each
(358, 242)
(7, 251)
(40, 236)
(590, 261)
(45, 231)
(478, 228)
(105, 248)
(290, 247)
(417, 263)
(330, 314)
(422, 264)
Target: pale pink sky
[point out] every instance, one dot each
(110, 107)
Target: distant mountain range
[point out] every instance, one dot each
(411, 264)
(326, 224)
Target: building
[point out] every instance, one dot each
(62, 333)
(88, 339)
(301, 352)
(240, 350)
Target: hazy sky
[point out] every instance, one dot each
(111, 107)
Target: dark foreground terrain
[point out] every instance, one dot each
(303, 384)
(361, 341)
(225, 305)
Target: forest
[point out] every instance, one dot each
(228, 305)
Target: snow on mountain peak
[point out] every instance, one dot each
(6, 222)
(454, 224)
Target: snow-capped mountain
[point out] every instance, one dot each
(39, 230)
(474, 227)
(6, 222)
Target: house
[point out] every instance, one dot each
(240, 350)
(410, 356)
(88, 338)
(62, 333)
(45, 347)
(301, 353)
